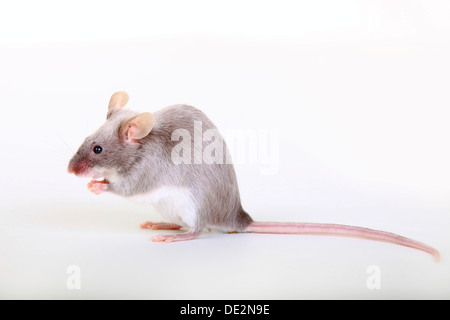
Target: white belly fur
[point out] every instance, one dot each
(176, 205)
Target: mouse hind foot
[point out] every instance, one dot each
(190, 235)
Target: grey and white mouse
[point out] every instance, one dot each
(138, 156)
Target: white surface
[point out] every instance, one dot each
(358, 92)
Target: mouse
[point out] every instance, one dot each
(145, 158)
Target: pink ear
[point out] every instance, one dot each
(118, 101)
(139, 127)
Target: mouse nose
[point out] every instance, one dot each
(79, 166)
(71, 166)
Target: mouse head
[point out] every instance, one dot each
(113, 147)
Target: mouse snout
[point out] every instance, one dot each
(71, 168)
(78, 166)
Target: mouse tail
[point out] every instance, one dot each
(338, 230)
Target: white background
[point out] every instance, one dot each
(358, 91)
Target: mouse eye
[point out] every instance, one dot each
(97, 149)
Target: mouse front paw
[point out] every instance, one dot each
(98, 187)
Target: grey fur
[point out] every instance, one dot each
(146, 166)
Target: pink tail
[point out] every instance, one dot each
(338, 230)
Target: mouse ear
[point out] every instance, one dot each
(138, 127)
(118, 101)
